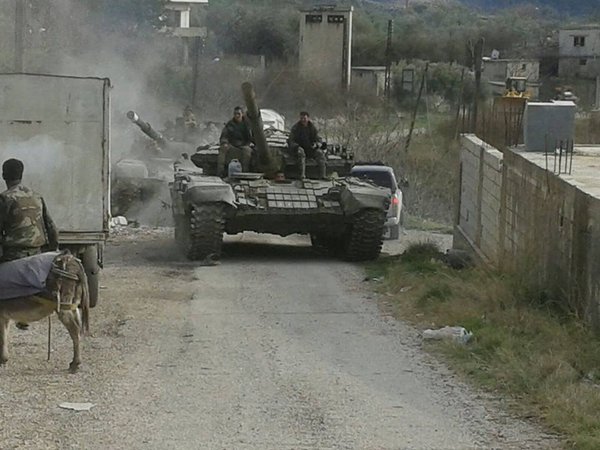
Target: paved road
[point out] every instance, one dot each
(273, 349)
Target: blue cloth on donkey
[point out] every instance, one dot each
(25, 276)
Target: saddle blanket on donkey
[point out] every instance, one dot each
(26, 276)
(35, 287)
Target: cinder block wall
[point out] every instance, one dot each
(517, 216)
(480, 194)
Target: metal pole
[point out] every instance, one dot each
(460, 102)
(388, 61)
(572, 150)
(478, 65)
(414, 117)
(19, 32)
(197, 45)
(560, 152)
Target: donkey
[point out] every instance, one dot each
(66, 293)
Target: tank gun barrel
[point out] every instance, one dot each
(147, 128)
(256, 124)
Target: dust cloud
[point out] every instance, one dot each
(67, 39)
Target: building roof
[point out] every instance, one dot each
(328, 8)
(369, 68)
(581, 27)
(584, 167)
(487, 59)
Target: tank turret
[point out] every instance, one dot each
(147, 129)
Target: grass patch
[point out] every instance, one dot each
(524, 344)
(417, 223)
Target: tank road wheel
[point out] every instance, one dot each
(182, 233)
(363, 240)
(206, 228)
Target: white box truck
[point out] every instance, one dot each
(59, 126)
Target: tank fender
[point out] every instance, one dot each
(356, 198)
(217, 193)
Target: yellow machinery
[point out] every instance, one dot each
(515, 95)
(508, 111)
(516, 87)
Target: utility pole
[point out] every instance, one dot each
(19, 32)
(478, 66)
(388, 61)
(198, 45)
(414, 116)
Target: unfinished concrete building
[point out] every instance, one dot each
(325, 48)
(579, 58)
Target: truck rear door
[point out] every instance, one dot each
(59, 127)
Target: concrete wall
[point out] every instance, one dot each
(517, 216)
(498, 70)
(325, 45)
(371, 81)
(480, 194)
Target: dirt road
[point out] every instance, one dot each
(273, 349)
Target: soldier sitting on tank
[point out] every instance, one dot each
(189, 118)
(304, 140)
(26, 228)
(235, 141)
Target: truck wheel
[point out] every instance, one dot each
(89, 259)
(206, 228)
(363, 239)
(394, 231)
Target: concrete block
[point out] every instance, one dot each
(547, 122)
(494, 159)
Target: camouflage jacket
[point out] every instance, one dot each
(24, 220)
(236, 133)
(304, 136)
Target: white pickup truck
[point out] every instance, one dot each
(59, 127)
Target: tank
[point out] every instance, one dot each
(143, 176)
(342, 215)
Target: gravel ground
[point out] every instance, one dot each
(273, 349)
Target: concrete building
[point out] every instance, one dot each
(496, 71)
(579, 52)
(579, 58)
(177, 21)
(325, 48)
(369, 79)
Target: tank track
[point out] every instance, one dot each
(324, 244)
(364, 238)
(205, 236)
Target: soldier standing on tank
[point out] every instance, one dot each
(26, 228)
(235, 141)
(304, 140)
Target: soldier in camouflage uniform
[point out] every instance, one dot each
(304, 140)
(25, 225)
(235, 141)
